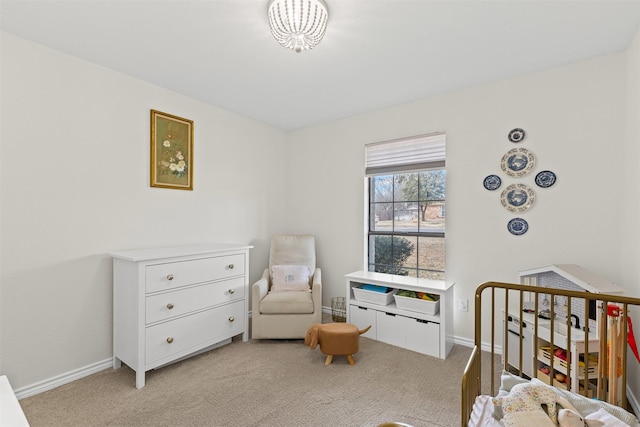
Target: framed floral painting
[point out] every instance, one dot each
(171, 151)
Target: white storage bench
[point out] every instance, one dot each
(418, 325)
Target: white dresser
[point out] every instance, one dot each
(171, 302)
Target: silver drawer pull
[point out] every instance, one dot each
(232, 291)
(169, 306)
(231, 318)
(230, 266)
(169, 276)
(170, 340)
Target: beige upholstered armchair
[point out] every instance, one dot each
(285, 308)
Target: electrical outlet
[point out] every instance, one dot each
(463, 304)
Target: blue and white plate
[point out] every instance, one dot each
(492, 182)
(517, 226)
(517, 135)
(545, 179)
(518, 162)
(517, 198)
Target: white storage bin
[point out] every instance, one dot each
(417, 304)
(379, 298)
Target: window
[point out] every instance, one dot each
(406, 217)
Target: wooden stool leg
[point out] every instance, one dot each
(350, 359)
(329, 359)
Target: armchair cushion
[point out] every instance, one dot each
(290, 278)
(287, 303)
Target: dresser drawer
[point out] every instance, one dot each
(194, 332)
(162, 277)
(167, 305)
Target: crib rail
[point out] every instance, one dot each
(596, 375)
(470, 384)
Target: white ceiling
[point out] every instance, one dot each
(376, 53)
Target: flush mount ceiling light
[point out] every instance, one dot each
(298, 24)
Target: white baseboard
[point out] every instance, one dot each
(62, 379)
(463, 341)
(470, 343)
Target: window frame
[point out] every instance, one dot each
(405, 156)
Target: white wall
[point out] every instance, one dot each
(574, 118)
(630, 209)
(75, 185)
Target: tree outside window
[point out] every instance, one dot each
(407, 223)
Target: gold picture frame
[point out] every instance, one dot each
(171, 151)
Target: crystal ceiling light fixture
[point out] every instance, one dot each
(298, 24)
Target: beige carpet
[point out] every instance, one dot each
(266, 383)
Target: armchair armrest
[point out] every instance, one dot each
(316, 290)
(317, 277)
(259, 290)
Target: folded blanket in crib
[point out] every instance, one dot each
(585, 406)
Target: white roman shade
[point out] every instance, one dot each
(407, 154)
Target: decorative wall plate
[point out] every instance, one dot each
(545, 179)
(517, 226)
(517, 198)
(518, 162)
(517, 135)
(492, 182)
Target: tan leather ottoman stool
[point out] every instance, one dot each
(335, 339)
